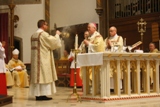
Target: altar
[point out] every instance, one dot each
(133, 69)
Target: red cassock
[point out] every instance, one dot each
(3, 86)
(78, 79)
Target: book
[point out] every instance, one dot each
(137, 44)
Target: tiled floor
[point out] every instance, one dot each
(21, 99)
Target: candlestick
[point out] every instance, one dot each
(124, 42)
(159, 44)
(76, 42)
(75, 51)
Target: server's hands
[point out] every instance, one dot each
(86, 42)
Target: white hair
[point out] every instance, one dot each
(93, 25)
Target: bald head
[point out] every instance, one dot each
(112, 31)
(92, 28)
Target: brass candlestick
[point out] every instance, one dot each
(76, 51)
(141, 28)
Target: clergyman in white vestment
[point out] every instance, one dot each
(110, 41)
(43, 72)
(95, 44)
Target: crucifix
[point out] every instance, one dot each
(141, 28)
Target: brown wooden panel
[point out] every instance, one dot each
(127, 28)
(155, 32)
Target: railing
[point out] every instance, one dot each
(135, 70)
(125, 8)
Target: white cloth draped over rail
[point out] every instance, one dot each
(91, 59)
(2, 56)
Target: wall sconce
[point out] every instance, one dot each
(15, 19)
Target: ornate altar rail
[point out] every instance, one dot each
(134, 68)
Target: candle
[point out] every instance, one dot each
(159, 44)
(124, 42)
(76, 42)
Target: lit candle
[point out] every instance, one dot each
(76, 42)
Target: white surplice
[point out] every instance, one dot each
(2, 56)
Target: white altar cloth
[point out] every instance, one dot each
(91, 59)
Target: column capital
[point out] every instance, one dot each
(99, 11)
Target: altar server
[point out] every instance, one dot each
(3, 87)
(71, 58)
(83, 48)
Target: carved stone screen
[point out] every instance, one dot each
(6, 2)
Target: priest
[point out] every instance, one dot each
(152, 49)
(43, 72)
(9, 78)
(113, 40)
(94, 44)
(18, 69)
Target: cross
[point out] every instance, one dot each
(141, 28)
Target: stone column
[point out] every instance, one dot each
(47, 13)
(103, 12)
(11, 7)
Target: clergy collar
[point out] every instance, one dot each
(95, 34)
(16, 60)
(39, 30)
(113, 37)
